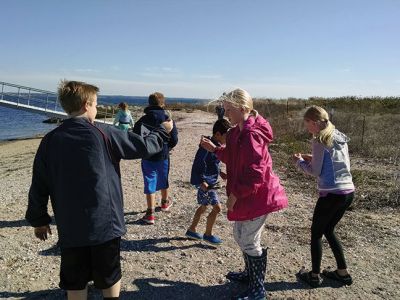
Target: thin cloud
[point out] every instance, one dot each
(345, 70)
(161, 72)
(115, 68)
(87, 70)
(208, 76)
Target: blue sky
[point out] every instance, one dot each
(188, 48)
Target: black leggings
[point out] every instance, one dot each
(328, 212)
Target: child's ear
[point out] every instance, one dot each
(86, 106)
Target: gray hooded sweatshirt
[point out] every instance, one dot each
(331, 165)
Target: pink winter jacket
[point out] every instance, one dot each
(249, 171)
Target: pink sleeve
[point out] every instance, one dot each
(253, 168)
(221, 153)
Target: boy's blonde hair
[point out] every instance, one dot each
(240, 98)
(320, 115)
(73, 95)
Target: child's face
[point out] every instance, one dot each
(312, 126)
(234, 114)
(221, 138)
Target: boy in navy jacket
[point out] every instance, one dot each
(205, 172)
(77, 166)
(156, 167)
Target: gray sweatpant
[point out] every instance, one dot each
(248, 235)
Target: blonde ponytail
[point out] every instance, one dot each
(319, 115)
(325, 136)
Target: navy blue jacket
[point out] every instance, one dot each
(77, 166)
(206, 167)
(154, 116)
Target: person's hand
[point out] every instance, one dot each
(231, 202)
(168, 125)
(223, 175)
(42, 231)
(307, 157)
(207, 144)
(296, 157)
(204, 186)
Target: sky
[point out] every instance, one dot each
(202, 48)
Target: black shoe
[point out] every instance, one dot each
(307, 277)
(346, 280)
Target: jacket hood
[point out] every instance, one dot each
(259, 125)
(340, 137)
(157, 113)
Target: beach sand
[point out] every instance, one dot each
(158, 262)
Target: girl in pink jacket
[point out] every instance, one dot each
(253, 189)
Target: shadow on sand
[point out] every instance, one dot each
(154, 288)
(146, 245)
(14, 223)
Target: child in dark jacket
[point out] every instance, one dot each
(205, 173)
(156, 168)
(77, 166)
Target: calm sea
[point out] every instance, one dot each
(16, 124)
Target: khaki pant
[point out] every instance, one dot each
(248, 235)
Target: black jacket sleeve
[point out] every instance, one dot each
(129, 145)
(37, 214)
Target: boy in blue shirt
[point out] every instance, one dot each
(156, 168)
(205, 172)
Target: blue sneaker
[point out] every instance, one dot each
(194, 235)
(212, 239)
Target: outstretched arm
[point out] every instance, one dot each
(314, 166)
(129, 145)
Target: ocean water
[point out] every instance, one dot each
(17, 124)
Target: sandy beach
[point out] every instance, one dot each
(158, 262)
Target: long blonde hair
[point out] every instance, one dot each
(240, 98)
(320, 115)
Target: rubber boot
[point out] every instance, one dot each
(257, 267)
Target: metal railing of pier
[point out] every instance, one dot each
(41, 102)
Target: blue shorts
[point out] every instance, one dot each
(207, 198)
(155, 175)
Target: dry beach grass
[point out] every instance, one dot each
(159, 263)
